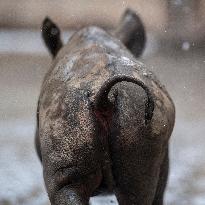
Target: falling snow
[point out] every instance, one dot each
(185, 46)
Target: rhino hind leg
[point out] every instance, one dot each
(135, 158)
(51, 36)
(37, 145)
(158, 200)
(125, 198)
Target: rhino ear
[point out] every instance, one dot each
(51, 36)
(102, 102)
(131, 32)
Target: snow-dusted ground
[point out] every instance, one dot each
(22, 66)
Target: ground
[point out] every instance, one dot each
(22, 69)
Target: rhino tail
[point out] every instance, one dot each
(102, 102)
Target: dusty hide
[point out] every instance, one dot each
(104, 120)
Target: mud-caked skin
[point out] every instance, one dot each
(104, 121)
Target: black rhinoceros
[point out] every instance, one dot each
(103, 119)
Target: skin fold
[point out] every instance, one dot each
(103, 119)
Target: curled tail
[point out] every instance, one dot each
(102, 101)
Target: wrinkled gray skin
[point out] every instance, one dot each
(103, 119)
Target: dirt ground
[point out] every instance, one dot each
(21, 73)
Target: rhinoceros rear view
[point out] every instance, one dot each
(103, 119)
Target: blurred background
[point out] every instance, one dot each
(175, 51)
